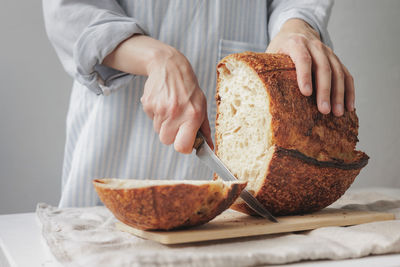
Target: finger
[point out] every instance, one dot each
(168, 131)
(349, 89)
(302, 60)
(206, 130)
(146, 107)
(157, 123)
(185, 137)
(337, 94)
(149, 113)
(323, 72)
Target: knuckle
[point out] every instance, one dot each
(147, 104)
(340, 75)
(318, 44)
(144, 100)
(305, 58)
(161, 109)
(147, 108)
(298, 39)
(326, 68)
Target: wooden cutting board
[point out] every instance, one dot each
(232, 224)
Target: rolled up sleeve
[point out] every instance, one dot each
(83, 33)
(315, 12)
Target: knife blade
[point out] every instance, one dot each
(207, 156)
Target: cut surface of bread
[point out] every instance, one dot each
(294, 158)
(166, 204)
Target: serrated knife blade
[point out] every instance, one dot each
(208, 157)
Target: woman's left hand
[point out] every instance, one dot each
(334, 84)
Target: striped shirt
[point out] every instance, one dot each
(108, 133)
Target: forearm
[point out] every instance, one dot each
(171, 97)
(83, 32)
(136, 55)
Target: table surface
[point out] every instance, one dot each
(21, 244)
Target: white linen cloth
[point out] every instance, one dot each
(87, 237)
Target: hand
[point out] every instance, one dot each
(334, 84)
(172, 97)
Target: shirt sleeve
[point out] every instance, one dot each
(315, 12)
(83, 33)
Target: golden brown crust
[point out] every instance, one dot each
(295, 186)
(167, 206)
(296, 122)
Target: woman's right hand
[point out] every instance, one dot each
(172, 97)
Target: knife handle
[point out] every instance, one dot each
(199, 140)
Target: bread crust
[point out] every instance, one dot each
(296, 122)
(294, 184)
(313, 159)
(167, 207)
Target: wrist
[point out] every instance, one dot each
(139, 54)
(159, 55)
(299, 26)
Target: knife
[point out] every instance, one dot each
(207, 156)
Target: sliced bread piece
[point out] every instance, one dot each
(166, 204)
(295, 159)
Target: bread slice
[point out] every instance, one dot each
(166, 204)
(295, 159)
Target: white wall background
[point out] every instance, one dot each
(366, 36)
(33, 104)
(35, 92)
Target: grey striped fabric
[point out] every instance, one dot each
(108, 134)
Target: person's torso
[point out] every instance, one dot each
(110, 136)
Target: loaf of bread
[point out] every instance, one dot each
(295, 159)
(166, 204)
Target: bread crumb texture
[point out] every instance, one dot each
(295, 159)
